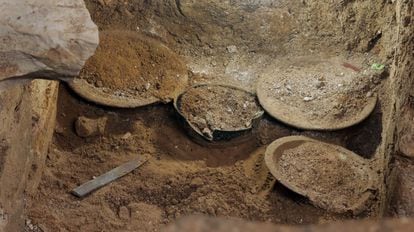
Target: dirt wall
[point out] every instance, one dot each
(234, 41)
(15, 155)
(401, 159)
(27, 116)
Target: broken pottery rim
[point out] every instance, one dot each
(271, 106)
(358, 207)
(231, 133)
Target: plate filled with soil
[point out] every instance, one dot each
(325, 94)
(218, 112)
(330, 176)
(130, 70)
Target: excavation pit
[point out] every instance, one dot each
(231, 43)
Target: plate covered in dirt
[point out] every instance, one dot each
(218, 112)
(331, 176)
(130, 70)
(318, 94)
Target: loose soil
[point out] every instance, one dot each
(335, 181)
(129, 64)
(225, 42)
(215, 107)
(181, 177)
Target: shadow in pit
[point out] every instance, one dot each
(364, 138)
(70, 106)
(271, 129)
(297, 208)
(173, 141)
(169, 138)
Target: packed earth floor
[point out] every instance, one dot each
(180, 178)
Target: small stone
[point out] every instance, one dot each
(206, 131)
(126, 136)
(99, 84)
(289, 88)
(232, 49)
(320, 84)
(59, 129)
(254, 190)
(196, 182)
(406, 144)
(86, 127)
(307, 99)
(123, 213)
(213, 63)
(369, 94)
(147, 86)
(248, 124)
(211, 211)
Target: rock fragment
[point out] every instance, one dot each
(86, 127)
(307, 99)
(196, 182)
(45, 38)
(124, 213)
(232, 49)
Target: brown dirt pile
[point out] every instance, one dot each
(214, 107)
(323, 171)
(127, 63)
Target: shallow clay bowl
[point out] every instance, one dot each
(358, 168)
(96, 95)
(219, 137)
(133, 61)
(292, 106)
